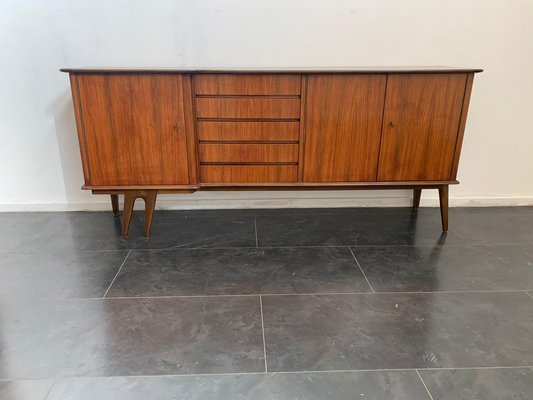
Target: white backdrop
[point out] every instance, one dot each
(41, 169)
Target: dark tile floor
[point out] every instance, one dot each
(268, 304)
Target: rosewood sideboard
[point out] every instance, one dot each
(148, 131)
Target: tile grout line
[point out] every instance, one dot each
(50, 389)
(255, 226)
(361, 269)
(424, 383)
(180, 247)
(118, 272)
(528, 294)
(467, 242)
(306, 294)
(263, 330)
(273, 372)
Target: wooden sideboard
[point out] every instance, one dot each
(148, 131)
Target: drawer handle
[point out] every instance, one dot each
(177, 127)
(391, 124)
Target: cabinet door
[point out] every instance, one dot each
(420, 126)
(343, 127)
(133, 129)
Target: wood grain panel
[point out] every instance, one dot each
(80, 128)
(343, 127)
(248, 130)
(247, 84)
(248, 153)
(462, 125)
(247, 107)
(129, 126)
(248, 173)
(303, 108)
(190, 131)
(420, 126)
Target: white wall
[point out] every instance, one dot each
(40, 166)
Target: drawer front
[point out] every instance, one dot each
(248, 84)
(247, 107)
(248, 153)
(248, 131)
(248, 173)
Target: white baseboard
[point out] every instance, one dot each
(226, 201)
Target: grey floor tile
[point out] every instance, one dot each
(58, 274)
(491, 226)
(354, 211)
(488, 384)
(397, 385)
(215, 231)
(26, 231)
(376, 331)
(130, 337)
(25, 390)
(213, 213)
(87, 231)
(520, 210)
(102, 231)
(441, 268)
(239, 271)
(517, 260)
(343, 230)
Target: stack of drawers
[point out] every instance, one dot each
(248, 127)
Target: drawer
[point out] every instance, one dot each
(248, 84)
(248, 130)
(247, 107)
(248, 153)
(248, 173)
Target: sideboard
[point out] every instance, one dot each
(148, 131)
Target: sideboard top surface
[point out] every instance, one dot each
(280, 70)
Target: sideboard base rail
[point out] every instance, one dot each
(149, 195)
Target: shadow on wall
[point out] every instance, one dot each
(69, 151)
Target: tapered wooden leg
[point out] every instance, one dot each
(416, 198)
(129, 201)
(149, 197)
(114, 204)
(443, 197)
(149, 206)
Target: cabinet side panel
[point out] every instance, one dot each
(343, 127)
(462, 125)
(420, 124)
(80, 128)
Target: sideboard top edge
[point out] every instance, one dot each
(251, 70)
